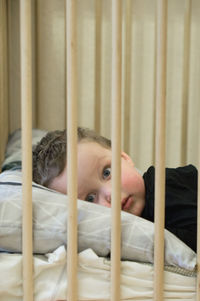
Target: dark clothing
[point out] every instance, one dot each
(180, 202)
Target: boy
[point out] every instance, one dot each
(137, 192)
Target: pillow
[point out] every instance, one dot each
(94, 230)
(13, 155)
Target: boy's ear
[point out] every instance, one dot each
(127, 158)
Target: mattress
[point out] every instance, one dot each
(93, 278)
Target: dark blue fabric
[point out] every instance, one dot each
(16, 165)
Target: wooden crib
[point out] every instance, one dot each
(60, 68)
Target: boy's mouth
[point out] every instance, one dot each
(127, 202)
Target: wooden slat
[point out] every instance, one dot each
(26, 121)
(185, 85)
(160, 149)
(116, 148)
(98, 69)
(198, 226)
(71, 151)
(3, 80)
(127, 75)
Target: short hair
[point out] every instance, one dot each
(49, 155)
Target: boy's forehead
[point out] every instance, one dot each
(91, 153)
(92, 147)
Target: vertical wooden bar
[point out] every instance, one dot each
(3, 80)
(159, 212)
(71, 150)
(98, 20)
(127, 75)
(198, 226)
(185, 86)
(116, 148)
(37, 77)
(26, 121)
(154, 93)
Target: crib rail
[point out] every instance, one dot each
(26, 113)
(71, 150)
(71, 93)
(116, 147)
(3, 79)
(161, 39)
(198, 235)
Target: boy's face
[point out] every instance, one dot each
(94, 179)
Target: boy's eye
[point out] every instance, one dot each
(106, 172)
(90, 198)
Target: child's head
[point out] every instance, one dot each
(49, 155)
(94, 170)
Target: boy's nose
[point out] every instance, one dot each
(105, 196)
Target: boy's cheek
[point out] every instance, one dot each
(127, 182)
(132, 184)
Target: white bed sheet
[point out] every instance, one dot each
(93, 279)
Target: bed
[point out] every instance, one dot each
(49, 246)
(48, 78)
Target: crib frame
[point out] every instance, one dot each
(26, 111)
